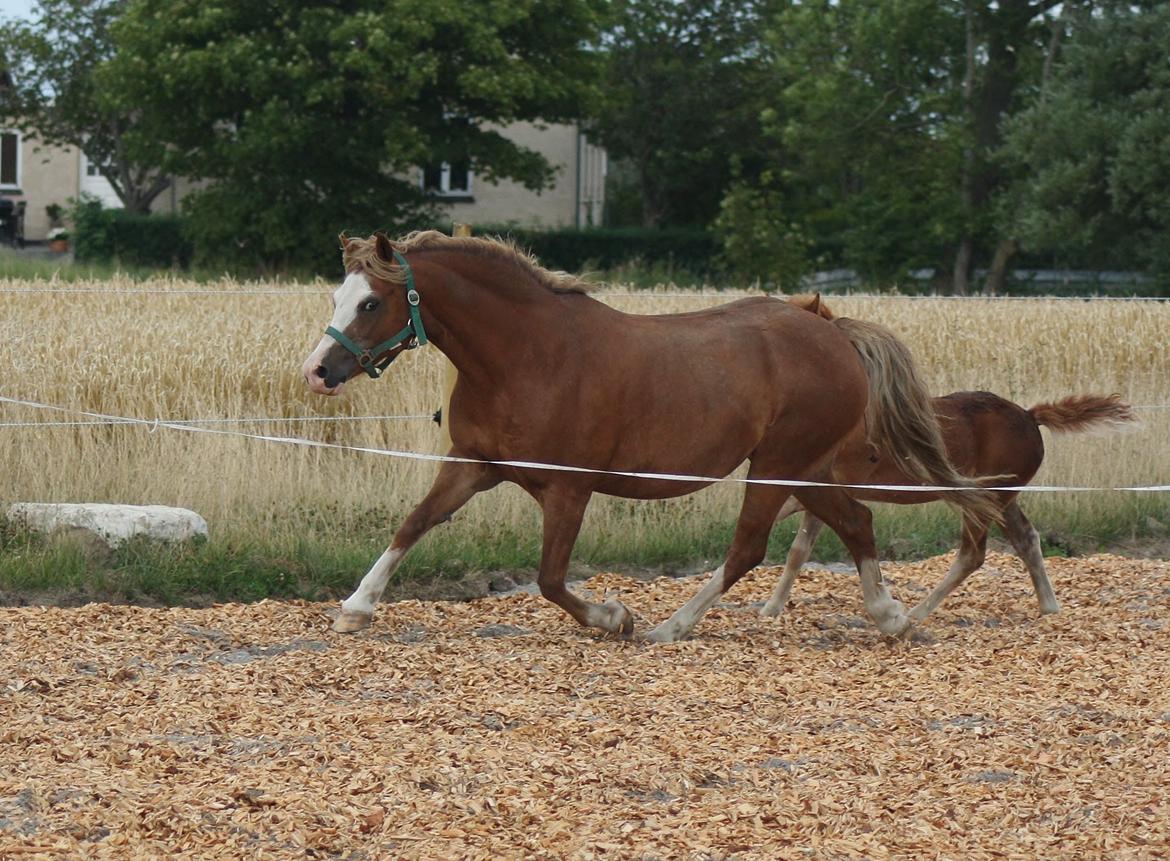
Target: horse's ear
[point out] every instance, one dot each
(383, 247)
(814, 304)
(343, 241)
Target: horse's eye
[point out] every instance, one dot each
(371, 305)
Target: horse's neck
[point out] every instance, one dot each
(492, 315)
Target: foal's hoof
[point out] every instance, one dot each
(349, 622)
(899, 627)
(620, 620)
(772, 609)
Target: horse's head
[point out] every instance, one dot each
(375, 316)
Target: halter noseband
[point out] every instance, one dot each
(411, 335)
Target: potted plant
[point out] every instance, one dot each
(56, 213)
(58, 239)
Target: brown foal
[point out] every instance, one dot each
(984, 435)
(549, 375)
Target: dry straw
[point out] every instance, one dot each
(181, 351)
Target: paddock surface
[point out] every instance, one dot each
(497, 729)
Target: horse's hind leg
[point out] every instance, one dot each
(760, 505)
(455, 484)
(563, 511)
(1024, 538)
(853, 524)
(972, 551)
(802, 545)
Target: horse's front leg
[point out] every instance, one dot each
(455, 484)
(563, 511)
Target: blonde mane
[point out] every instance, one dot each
(362, 254)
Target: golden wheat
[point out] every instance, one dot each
(187, 351)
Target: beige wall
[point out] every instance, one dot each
(47, 175)
(575, 198)
(52, 175)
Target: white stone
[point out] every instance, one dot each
(114, 524)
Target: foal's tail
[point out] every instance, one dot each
(901, 420)
(1083, 413)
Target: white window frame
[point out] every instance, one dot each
(7, 186)
(444, 189)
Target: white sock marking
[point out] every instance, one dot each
(373, 584)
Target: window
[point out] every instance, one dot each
(9, 159)
(447, 180)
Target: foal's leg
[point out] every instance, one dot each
(972, 551)
(853, 523)
(455, 484)
(760, 505)
(1024, 538)
(563, 512)
(806, 537)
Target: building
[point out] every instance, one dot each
(43, 175)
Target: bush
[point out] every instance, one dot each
(131, 239)
(687, 249)
(166, 241)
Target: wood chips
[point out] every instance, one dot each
(498, 729)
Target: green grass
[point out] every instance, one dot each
(315, 564)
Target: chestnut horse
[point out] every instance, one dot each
(549, 375)
(985, 435)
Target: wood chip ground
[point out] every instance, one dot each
(498, 729)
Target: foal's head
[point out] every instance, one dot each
(370, 309)
(812, 303)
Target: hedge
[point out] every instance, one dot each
(114, 235)
(130, 239)
(687, 249)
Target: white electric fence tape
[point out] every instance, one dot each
(154, 424)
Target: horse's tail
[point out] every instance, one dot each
(1083, 412)
(901, 421)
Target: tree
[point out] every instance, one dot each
(884, 123)
(682, 78)
(302, 117)
(1092, 156)
(53, 95)
(1004, 49)
(861, 124)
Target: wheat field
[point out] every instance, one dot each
(171, 349)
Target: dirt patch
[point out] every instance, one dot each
(499, 729)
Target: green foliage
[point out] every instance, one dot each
(1091, 155)
(131, 239)
(881, 126)
(681, 82)
(302, 117)
(54, 95)
(863, 142)
(758, 241)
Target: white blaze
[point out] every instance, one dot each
(347, 298)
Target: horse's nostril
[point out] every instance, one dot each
(321, 372)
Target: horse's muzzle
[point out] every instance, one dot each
(322, 382)
(325, 372)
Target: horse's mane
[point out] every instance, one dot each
(363, 254)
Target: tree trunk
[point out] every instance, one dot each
(998, 273)
(959, 284)
(967, 175)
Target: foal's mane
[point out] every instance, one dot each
(362, 254)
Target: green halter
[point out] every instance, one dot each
(412, 331)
